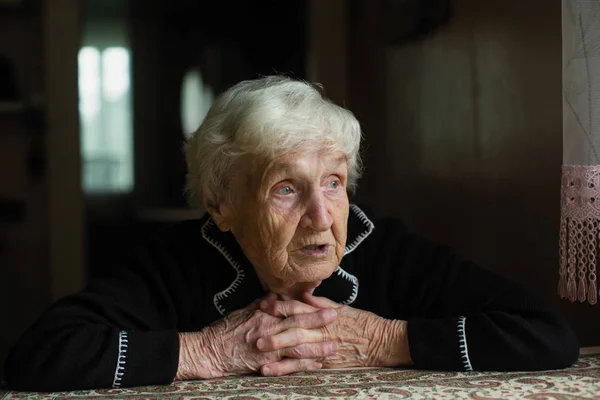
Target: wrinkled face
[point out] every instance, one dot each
(291, 219)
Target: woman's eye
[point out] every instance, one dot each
(284, 191)
(334, 184)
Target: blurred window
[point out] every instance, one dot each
(105, 108)
(196, 99)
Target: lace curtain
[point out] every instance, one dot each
(580, 187)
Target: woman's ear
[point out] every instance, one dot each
(220, 213)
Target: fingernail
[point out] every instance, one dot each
(260, 343)
(264, 304)
(266, 371)
(318, 365)
(330, 313)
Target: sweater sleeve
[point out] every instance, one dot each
(120, 331)
(463, 317)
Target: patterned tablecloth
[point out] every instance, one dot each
(582, 381)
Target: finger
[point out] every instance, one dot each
(289, 365)
(286, 308)
(311, 350)
(255, 305)
(289, 338)
(319, 302)
(270, 297)
(313, 320)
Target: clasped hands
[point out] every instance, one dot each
(279, 337)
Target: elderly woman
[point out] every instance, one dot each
(283, 274)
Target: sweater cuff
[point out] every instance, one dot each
(439, 344)
(146, 358)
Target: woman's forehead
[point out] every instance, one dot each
(259, 169)
(291, 162)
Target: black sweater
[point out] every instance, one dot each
(122, 329)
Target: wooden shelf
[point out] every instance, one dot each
(26, 115)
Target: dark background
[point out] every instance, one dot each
(460, 103)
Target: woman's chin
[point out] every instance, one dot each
(295, 277)
(301, 280)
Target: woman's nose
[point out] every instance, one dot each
(317, 216)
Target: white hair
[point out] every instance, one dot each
(266, 117)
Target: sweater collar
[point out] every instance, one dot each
(341, 286)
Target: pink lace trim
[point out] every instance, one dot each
(579, 232)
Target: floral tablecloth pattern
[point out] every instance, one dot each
(582, 381)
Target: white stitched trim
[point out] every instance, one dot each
(370, 226)
(462, 342)
(120, 370)
(340, 271)
(238, 268)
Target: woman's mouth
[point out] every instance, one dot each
(315, 250)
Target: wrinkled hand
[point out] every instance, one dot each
(229, 346)
(364, 339)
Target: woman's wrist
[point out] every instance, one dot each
(195, 358)
(393, 349)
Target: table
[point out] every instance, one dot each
(580, 382)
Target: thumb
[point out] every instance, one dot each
(287, 308)
(255, 305)
(319, 302)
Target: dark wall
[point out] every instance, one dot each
(465, 130)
